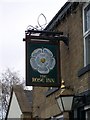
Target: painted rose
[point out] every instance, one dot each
(42, 60)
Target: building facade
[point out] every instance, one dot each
(20, 104)
(73, 19)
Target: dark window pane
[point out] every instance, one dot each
(87, 40)
(87, 18)
(87, 115)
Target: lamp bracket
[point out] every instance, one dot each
(83, 98)
(79, 100)
(69, 88)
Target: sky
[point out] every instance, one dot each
(15, 17)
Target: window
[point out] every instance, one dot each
(80, 114)
(87, 46)
(87, 115)
(87, 18)
(86, 34)
(87, 112)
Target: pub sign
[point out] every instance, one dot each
(43, 63)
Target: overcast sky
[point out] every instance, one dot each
(15, 16)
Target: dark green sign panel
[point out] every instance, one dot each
(42, 63)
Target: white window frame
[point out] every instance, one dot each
(85, 33)
(60, 117)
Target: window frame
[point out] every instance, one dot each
(85, 34)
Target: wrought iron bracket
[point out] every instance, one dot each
(46, 35)
(79, 101)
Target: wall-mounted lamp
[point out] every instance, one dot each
(65, 99)
(65, 102)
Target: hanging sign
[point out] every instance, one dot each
(42, 63)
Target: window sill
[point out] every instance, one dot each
(84, 70)
(49, 92)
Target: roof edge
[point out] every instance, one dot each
(59, 15)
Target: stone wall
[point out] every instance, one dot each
(72, 60)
